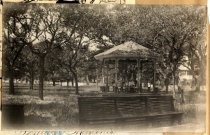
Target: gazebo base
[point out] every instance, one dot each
(126, 108)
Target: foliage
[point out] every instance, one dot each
(61, 37)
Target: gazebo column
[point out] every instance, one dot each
(154, 74)
(97, 76)
(107, 76)
(103, 80)
(139, 75)
(116, 71)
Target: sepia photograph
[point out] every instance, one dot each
(104, 67)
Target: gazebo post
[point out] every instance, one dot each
(103, 72)
(154, 74)
(107, 76)
(139, 75)
(97, 76)
(116, 70)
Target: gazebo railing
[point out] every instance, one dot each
(114, 89)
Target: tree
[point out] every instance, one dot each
(30, 66)
(16, 32)
(73, 55)
(169, 31)
(195, 52)
(54, 69)
(89, 67)
(175, 37)
(80, 24)
(49, 26)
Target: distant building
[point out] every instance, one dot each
(185, 75)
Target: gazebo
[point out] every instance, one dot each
(128, 67)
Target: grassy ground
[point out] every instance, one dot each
(60, 108)
(194, 108)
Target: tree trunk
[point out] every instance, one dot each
(11, 82)
(166, 88)
(53, 82)
(182, 96)
(32, 83)
(21, 81)
(74, 72)
(193, 73)
(87, 79)
(193, 80)
(174, 79)
(67, 83)
(76, 84)
(72, 82)
(200, 78)
(198, 84)
(174, 84)
(26, 80)
(41, 76)
(167, 84)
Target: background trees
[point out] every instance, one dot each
(29, 68)
(59, 43)
(73, 54)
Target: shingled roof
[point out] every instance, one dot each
(126, 50)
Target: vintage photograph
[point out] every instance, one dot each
(108, 66)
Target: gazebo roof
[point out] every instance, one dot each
(126, 50)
